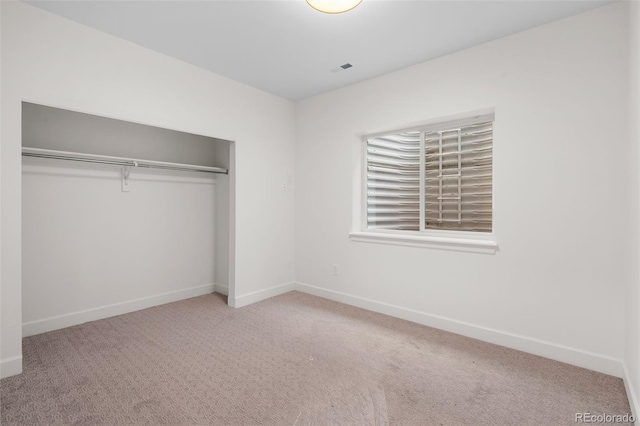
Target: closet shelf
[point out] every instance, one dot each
(118, 161)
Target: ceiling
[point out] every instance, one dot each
(289, 49)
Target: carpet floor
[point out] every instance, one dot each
(294, 359)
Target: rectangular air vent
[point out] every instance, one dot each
(341, 68)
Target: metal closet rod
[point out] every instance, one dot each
(118, 161)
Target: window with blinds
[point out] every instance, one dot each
(438, 177)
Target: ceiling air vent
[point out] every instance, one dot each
(341, 68)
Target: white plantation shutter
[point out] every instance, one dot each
(457, 186)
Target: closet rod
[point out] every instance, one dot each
(118, 161)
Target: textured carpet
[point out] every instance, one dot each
(293, 359)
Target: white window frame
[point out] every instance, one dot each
(465, 241)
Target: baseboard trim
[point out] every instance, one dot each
(10, 366)
(257, 296)
(589, 360)
(631, 394)
(573, 356)
(222, 289)
(67, 320)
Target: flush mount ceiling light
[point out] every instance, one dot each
(333, 6)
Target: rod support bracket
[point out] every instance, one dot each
(126, 170)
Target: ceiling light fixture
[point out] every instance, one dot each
(333, 6)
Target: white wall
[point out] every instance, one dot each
(90, 250)
(632, 308)
(222, 221)
(1, 142)
(52, 61)
(556, 286)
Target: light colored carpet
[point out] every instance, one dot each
(293, 359)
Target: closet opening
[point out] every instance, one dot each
(119, 216)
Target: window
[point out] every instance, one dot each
(436, 180)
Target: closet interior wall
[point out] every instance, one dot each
(92, 250)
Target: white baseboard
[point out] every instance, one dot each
(222, 289)
(74, 318)
(573, 356)
(256, 296)
(10, 366)
(631, 394)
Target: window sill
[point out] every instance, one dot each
(484, 246)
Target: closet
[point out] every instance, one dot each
(117, 216)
